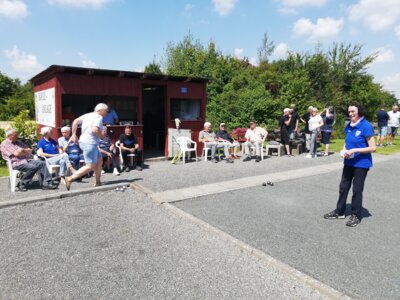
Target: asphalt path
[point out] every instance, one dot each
(285, 221)
(121, 245)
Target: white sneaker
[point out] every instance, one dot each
(102, 171)
(116, 173)
(308, 156)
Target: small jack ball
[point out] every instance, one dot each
(264, 184)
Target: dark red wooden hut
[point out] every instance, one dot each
(150, 102)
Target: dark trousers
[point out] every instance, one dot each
(357, 177)
(138, 153)
(30, 168)
(74, 158)
(113, 159)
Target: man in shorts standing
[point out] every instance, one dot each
(393, 123)
(382, 117)
(92, 128)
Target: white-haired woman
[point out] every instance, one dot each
(47, 147)
(92, 127)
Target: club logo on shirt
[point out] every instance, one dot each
(358, 132)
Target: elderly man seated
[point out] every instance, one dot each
(21, 159)
(255, 137)
(48, 148)
(130, 145)
(209, 139)
(107, 149)
(224, 137)
(67, 145)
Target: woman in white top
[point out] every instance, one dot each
(314, 124)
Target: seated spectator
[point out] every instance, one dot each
(209, 139)
(255, 137)
(107, 149)
(129, 144)
(224, 137)
(284, 126)
(48, 147)
(21, 159)
(66, 145)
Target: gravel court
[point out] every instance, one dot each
(162, 175)
(285, 221)
(116, 245)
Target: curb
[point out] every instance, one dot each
(60, 195)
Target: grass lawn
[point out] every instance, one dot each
(337, 145)
(3, 171)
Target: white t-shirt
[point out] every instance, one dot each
(89, 121)
(255, 135)
(394, 118)
(313, 123)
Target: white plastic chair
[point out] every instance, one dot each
(253, 148)
(206, 148)
(13, 176)
(184, 143)
(130, 155)
(52, 168)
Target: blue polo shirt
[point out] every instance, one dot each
(356, 137)
(110, 118)
(49, 147)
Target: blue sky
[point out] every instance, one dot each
(128, 34)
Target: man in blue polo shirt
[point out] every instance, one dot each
(359, 144)
(111, 118)
(48, 148)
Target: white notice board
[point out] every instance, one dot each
(45, 107)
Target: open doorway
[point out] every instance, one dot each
(153, 99)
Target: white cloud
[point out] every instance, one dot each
(87, 63)
(280, 51)
(238, 53)
(23, 64)
(384, 55)
(397, 31)
(13, 9)
(81, 3)
(288, 7)
(299, 3)
(375, 14)
(224, 7)
(324, 29)
(391, 83)
(253, 61)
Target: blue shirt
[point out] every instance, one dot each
(105, 143)
(73, 148)
(110, 118)
(382, 117)
(49, 147)
(356, 137)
